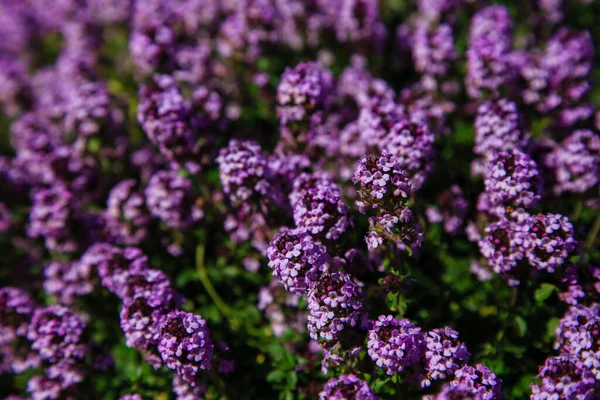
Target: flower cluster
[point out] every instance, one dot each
(512, 182)
(318, 206)
(347, 387)
(454, 209)
(471, 383)
(488, 56)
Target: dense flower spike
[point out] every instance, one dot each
(68, 281)
(335, 303)
(498, 126)
(16, 310)
(244, 172)
(564, 376)
(297, 260)
(164, 115)
(113, 264)
(347, 387)
(575, 163)
(399, 229)
(512, 181)
(558, 79)
(411, 143)
(382, 183)
(472, 382)
(185, 344)
(444, 354)
(318, 206)
(55, 332)
(578, 335)
(552, 240)
(126, 213)
(394, 344)
(488, 56)
(433, 49)
(303, 90)
(50, 218)
(505, 246)
(582, 283)
(170, 197)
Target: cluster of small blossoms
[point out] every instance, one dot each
(433, 49)
(347, 387)
(297, 260)
(564, 376)
(170, 198)
(582, 284)
(399, 346)
(512, 182)
(165, 117)
(335, 304)
(56, 333)
(488, 56)
(16, 310)
(557, 81)
(127, 217)
(471, 383)
(454, 209)
(302, 91)
(578, 335)
(150, 315)
(318, 206)
(274, 301)
(412, 144)
(498, 126)
(383, 187)
(575, 163)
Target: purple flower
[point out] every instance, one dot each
(297, 260)
(411, 144)
(578, 334)
(126, 213)
(378, 111)
(302, 90)
(382, 183)
(505, 246)
(559, 79)
(142, 311)
(113, 264)
(552, 240)
(575, 163)
(582, 284)
(395, 344)
(183, 390)
(477, 382)
(564, 376)
(347, 387)
(245, 172)
(444, 354)
(134, 396)
(334, 303)
(170, 197)
(68, 281)
(55, 332)
(488, 56)
(498, 126)
(433, 49)
(58, 382)
(512, 181)
(50, 217)
(184, 344)
(164, 116)
(318, 206)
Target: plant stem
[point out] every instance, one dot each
(591, 237)
(224, 308)
(577, 210)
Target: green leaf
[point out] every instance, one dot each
(544, 291)
(521, 326)
(276, 376)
